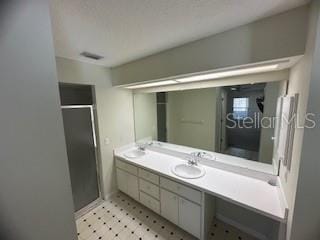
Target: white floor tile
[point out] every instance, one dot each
(122, 218)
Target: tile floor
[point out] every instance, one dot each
(122, 218)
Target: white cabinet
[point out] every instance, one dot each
(180, 189)
(176, 202)
(190, 217)
(133, 187)
(128, 183)
(149, 176)
(122, 180)
(169, 206)
(149, 188)
(150, 202)
(181, 205)
(127, 167)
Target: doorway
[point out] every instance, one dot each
(162, 116)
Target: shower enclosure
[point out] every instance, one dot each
(80, 136)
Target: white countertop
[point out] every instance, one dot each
(250, 193)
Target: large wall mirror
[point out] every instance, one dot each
(236, 120)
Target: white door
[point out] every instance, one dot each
(122, 180)
(133, 189)
(169, 206)
(190, 217)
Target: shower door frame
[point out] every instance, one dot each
(96, 202)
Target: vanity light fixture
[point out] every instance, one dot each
(229, 73)
(209, 76)
(153, 84)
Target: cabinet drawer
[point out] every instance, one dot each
(149, 188)
(150, 202)
(127, 167)
(182, 190)
(151, 177)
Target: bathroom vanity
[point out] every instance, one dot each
(150, 177)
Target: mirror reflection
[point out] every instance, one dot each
(236, 120)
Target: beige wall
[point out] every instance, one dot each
(299, 83)
(192, 106)
(274, 37)
(114, 112)
(145, 115)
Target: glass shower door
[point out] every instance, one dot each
(81, 151)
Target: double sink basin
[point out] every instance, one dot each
(183, 170)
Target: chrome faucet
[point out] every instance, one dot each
(193, 160)
(143, 146)
(202, 155)
(194, 157)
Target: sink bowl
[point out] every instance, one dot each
(136, 153)
(188, 171)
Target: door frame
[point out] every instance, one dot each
(96, 202)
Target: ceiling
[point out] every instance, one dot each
(126, 30)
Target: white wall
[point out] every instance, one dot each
(192, 105)
(301, 182)
(279, 36)
(35, 190)
(114, 111)
(145, 115)
(299, 83)
(306, 219)
(271, 92)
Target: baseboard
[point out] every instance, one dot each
(93, 205)
(241, 227)
(88, 208)
(109, 195)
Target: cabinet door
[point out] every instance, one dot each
(190, 217)
(169, 206)
(122, 180)
(133, 189)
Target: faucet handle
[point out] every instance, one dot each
(192, 160)
(203, 155)
(141, 146)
